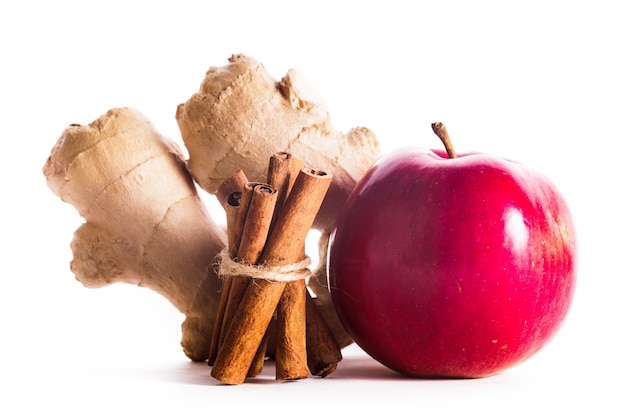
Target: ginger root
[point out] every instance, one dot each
(145, 223)
(241, 116)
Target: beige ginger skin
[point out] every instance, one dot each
(242, 115)
(144, 221)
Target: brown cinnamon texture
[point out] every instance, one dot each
(285, 245)
(282, 172)
(257, 226)
(234, 184)
(257, 222)
(291, 346)
(244, 336)
(323, 351)
(291, 312)
(251, 226)
(229, 195)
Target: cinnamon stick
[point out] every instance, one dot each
(291, 346)
(281, 175)
(233, 232)
(278, 176)
(231, 185)
(246, 332)
(291, 360)
(257, 222)
(284, 246)
(242, 214)
(231, 206)
(254, 218)
(229, 195)
(256, 229)
(291, 313)
(247, 228)
(259, 358)
(323, 351)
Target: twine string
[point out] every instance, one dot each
(228, 266)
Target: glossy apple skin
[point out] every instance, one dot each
(456, 268)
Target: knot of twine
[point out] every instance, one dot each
(227, 266)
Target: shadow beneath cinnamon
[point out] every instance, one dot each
(350, 368)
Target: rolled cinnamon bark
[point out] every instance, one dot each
(284, 246)
(232, 185)
(251, 226)
(291, 346)
(323, 351)
(231, 207)
(229, 195)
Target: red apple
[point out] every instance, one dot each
(445, 266)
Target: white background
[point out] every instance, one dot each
(537, 81)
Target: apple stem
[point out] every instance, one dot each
(441, 132)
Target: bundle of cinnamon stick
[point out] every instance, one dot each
(264, 269)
